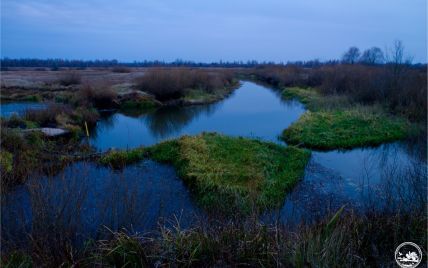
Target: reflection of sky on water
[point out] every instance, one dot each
(18, 108)
(251, 111)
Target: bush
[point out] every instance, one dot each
(403, 92)
(121, 69)
(98, 97)
(47, 117)
(171, 83)
(70, 78)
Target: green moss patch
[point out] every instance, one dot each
(344, 129)
(227, 173)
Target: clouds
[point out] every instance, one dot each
(208, 30)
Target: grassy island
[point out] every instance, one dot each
(228, 173)
(332, 123)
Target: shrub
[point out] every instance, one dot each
(47, 117)
(121, 69)
(171, 83)
(70, 78)
(98, 97)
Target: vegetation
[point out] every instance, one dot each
(176, 83)
(344, 129)
(121, 69)
(118, 159)
(335, 123)
(229, 175)
(70, 78)
(342, 240)
(387, 79)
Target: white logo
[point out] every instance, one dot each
(408, 255)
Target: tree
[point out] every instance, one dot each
(372, 56)
(351, 56)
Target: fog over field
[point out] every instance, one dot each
(270, 30)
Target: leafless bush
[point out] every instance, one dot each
(399, 86)
(121, 69)
(47, 117)
(101, 97)
(171, 83)
(70, 78)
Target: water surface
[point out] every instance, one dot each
(251, 111)
(19, 108)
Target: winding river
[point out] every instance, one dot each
(85, 196)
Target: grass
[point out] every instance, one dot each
(233, 174)
(137, 106)
(333, 123)
(344, 129)
(342, 240)
(118, 159)
(228, 175)
(195, 96)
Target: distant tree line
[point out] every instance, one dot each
(58, 63)
(370, 56)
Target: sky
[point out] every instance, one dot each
(228, 30)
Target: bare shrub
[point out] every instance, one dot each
(47, 117)
(171, 83)
(101, 97)
(70, 78)
(121, 69)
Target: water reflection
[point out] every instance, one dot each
(87, 200)
(251, 111)
(385, 179)
(19, 108)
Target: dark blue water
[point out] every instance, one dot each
(19, 108)
(251, 111)
(85, 197)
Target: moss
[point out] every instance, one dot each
(118, 159)
(6, 161)
(228, 173)
(344, 129)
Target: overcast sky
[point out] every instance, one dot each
(271, 30)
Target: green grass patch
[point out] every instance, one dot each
(230, 174)
(200, 96)
(137, 106)
(314, 101)
(345, 129)
(118, 159)
(332, 122)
